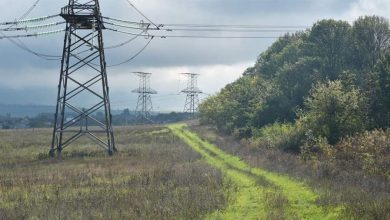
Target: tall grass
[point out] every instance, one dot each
(354, 173)
(154, 176)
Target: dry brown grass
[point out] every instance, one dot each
(154, 176)
(364, 194)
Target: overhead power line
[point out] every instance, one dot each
(26, 28)
(192, 36)
(140, 27)
(215, 37)
(270, 30)
(205, 27)
(18, 43)
(227, 30)
(121, 25)
(126, 21)
(31, 20)
(134, 56)
(36, 34)
(234, 26)
(22, 46)
(30, 9)
(142, 14)
(124, 43)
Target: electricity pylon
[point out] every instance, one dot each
(192, 91)
(144, 103)
(83, 80)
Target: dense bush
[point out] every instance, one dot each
(368, 151)
(235, 108)
(286, 137)
(333, 111)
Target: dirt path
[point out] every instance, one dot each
(257, 193)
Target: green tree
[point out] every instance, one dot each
(285, 50)
(295, 80)
(371, 38)
(333, 111)
(330, 41)
(234, 108)
(382, 104)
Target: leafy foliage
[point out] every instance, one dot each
(331, 81)
(333, 111)
(285, 136)
(369, 151)
(233, 109)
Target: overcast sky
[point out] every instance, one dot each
(26, 79)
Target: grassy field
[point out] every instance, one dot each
(261, 194)
(174, 172)
(154, 176)
(362, 196)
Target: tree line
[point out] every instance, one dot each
(319, 85)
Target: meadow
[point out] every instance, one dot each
(362, 195)
(177, 172)
(154, 175)
(259, 194)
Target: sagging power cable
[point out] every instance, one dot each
(142, 14)
(36, 34)
(194, 36)
(27, 28)
(30, 20)
(135, 55)
(18, 43)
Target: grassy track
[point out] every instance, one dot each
(259, 194)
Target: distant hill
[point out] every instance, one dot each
(33, 110)
(25, 110)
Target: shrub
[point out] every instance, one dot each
(315, 148)
(284, 136)
(333, 111)
(368, 151)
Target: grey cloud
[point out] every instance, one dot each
(163, 54)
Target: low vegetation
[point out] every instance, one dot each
(154, 176)
(353, 173)
(260, 194)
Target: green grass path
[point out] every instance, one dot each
(259, 194)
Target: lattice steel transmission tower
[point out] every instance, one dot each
(192, 91)
(83, 80)
(144, 103)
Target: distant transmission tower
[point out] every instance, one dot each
(83, 80)
(144, 103)
(192, 91)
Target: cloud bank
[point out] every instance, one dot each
(27, 79)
